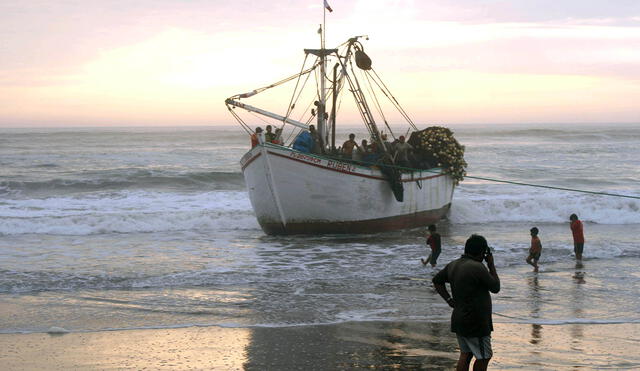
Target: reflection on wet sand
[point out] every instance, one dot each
(611, 346)
(579, 273)
(357, 345)
(536, 301)
(343, 346)
(536, 334)
(577, 304)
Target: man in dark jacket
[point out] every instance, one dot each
(471, 283)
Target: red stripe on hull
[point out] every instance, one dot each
(351, 172)
(420, 219)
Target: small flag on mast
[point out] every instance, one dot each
(326, 5)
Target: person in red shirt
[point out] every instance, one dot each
(255, 137)
(435, 243)
(535, 250)
(578, 236)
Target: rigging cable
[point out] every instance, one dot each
(291, 102)
(260, 90)
(394, 100)
(354, 91)
(294, 102)
(308, 121)
(358, 95)
(340, 96)
(377, 102)
(243, 124)
(260, 118)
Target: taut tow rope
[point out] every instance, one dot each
(551, 187)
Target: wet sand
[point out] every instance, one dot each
(346, 346)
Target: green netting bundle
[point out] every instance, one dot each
(436, 146)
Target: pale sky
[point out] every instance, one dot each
(173, 62)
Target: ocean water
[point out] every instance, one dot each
(128, 228)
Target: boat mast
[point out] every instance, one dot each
(334, 95)
(322, 127)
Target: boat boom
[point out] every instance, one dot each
(249, 108)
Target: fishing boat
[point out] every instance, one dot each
(302, 183)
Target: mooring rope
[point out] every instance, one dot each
(552, 187)
(365, 163)
(368, 164)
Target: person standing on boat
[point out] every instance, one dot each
(369, 155)
(256, 137)
(471, 285)
(387, 145)
(318, 146)
(578, 235)
(278, 137)
(402, 152)
(269, 136)
(434, 242)
(535, 250)
(362, 151)
(347, 146)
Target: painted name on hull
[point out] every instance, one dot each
(305, 158)
(336, 165)
(341, 166)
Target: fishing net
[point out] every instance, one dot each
(436, 146)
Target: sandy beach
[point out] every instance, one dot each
(346, 346)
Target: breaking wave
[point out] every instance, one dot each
(148, 211)
(499, 203)
(115, 180)
(127, 212)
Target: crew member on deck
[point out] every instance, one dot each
(347, 146)
(387, 145)
(402, 152)
(361, 152)
(278, 138)
(269, 136)
(318, 143)
(256, 137)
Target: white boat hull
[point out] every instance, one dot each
(293, 192)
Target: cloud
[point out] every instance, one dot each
(616, 12)
(535, 48)
(144, 59)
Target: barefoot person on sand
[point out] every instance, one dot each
(471, 283)
(535, 250)
(578, 236)
(434, 241)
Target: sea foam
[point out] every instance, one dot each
(127, 212)
(509, 204)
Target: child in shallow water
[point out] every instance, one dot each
(434, 242)
(535, 250)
